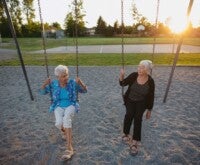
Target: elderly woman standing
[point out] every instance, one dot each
(64, 102)
(138, 98)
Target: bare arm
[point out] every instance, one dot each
(79, 81)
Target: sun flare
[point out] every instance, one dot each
(178, 25)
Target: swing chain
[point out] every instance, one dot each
(44, 46)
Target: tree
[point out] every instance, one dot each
(139, 19)
(74, 19)
(28, 10)
(70, 25)
(16, 15)
(56, 25)
(109, 31)
(31, 30)
(162, 29)
(116, 27)
(136, 15)
(101, 26)
(4, 27)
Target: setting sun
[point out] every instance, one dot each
(177, 25)
(176, 15)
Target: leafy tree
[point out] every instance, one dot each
(28, 10)
(139, 19)
(101, 26)
(31, 30)
(2, 13)
(136, 15)
(109, 31)
(162, 29)
(56, 25)
(74, 19)
(16, 15)
(70, 24)
(116, 27)
(4, 27)
(128, 29)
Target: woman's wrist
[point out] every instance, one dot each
(121, 78)
(43, 86)
(84, 86)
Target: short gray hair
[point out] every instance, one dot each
(60, 69)
(148, 65)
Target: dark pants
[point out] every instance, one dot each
(134, 110)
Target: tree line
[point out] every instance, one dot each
(23, 17)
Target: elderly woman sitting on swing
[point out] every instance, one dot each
(64, 102)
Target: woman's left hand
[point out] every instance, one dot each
(78, 81)
(148, 114)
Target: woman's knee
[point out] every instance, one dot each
(58, 117)
(59, 124)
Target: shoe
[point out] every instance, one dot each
(139, 144)
(134, 148)
(126, 139)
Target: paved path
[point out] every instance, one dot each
(144, 48)
(7, 54)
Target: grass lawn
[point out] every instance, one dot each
(104, 59)
(32, 44)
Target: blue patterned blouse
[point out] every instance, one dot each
(72, 87)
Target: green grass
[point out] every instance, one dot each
(104, 59)
(32, 44)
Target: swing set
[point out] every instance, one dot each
(76, 43)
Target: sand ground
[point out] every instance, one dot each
(28, 134)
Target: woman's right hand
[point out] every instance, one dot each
(122, 72)
(46, 82)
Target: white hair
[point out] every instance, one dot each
(60, 69)
(148, 65)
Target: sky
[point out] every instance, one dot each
(110, 10)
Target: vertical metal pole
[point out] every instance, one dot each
(18, 48)
(177, 53)
(173, 68)
(122, 38)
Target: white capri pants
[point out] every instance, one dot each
(64, 116)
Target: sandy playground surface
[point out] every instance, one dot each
(28, 134)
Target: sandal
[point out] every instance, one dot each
(68, 155)
(126, 139)
(133, 150)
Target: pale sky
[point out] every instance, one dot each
(110, 10)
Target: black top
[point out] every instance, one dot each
(138, 92)
(149, 98)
